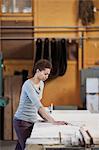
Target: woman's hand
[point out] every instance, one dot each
(60, 123)
(42, 112)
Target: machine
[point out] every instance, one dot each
(3, 100)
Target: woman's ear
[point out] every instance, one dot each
(37, 70)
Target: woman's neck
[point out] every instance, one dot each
(35, 80)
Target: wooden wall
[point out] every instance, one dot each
(17, 49)
(63, 90)
(91, 47)
(11, 66)
(55, 13)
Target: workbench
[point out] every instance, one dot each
(82, 132)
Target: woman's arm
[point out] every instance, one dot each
(42, 112)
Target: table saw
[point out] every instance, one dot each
(82, 132)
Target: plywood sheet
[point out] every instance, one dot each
(12, 86)
(17, 83)
(8, 109)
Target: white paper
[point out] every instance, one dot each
(92, 85)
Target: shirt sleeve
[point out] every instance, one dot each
(32, 95)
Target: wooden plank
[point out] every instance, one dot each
(34, 147)
(12, 85)
(8, 110)
(16, 94)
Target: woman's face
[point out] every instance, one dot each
(43, 75)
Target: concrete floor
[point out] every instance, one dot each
(7, 145)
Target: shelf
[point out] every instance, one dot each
(16, 6)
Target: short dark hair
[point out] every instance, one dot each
(41, 65)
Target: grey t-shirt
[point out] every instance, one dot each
(29, 101)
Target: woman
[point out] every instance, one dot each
(30, 104)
